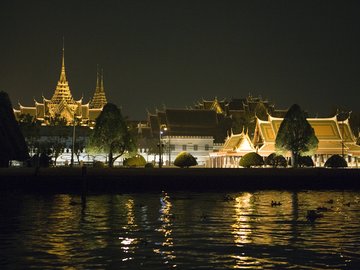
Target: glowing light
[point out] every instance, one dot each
(241, 228)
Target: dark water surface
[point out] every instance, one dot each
(180, 231)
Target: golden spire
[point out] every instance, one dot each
(62, 91)
(62, 74)
(99, 99)
(98, 83)
(102, 80)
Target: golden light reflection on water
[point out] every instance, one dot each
(123, 231)
(128, 244)
(166, 218)
(130, 215)
(241, 228)
(61, 221)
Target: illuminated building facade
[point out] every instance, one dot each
(335, 137)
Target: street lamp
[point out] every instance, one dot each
(73, 143)
(161, 129)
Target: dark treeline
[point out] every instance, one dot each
(13, 145)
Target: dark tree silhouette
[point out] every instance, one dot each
(111, 134)
(185, 160)
(13, 145)
(336, 161)
(251, 159)
(296, 135)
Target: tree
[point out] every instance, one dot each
(30, 128)
(305, 161)
(185, 160)
(296, 135)
(79, 146)
(111, 134)
(135, 161)
(251, 159)
(275, 160)
(57, 120)
(13, 145)
(336, 161)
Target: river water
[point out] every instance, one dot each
(180, 231)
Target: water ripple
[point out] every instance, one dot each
(181, 231)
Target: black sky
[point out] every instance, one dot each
(177, 52)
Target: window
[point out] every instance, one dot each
(207, 147)
(184, 147)
(195, 147)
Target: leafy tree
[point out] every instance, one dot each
(135, 161)
(111, 134)
(79, 146)
(305, 161)
(275, 160)
(13, 145)
(251, 159)
(296, 135)
(149, 165)
(30, 128)
(57, 120)
(336, 161)
(185, 160)
(57, 145)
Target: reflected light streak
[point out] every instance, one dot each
(166, 219)
(130, 213)
(241, 228)
(128, 244)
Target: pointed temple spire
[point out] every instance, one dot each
(99, 98)
(62, 91)
(62, 74)
(102, 80)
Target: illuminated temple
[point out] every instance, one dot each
(335, 137)
(63, 106)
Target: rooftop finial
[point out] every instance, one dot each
(102, 80)
(97, 78)
(62, 74)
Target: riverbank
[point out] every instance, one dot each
(65, 179)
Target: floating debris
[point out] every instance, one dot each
(312, 215)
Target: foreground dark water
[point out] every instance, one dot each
(180, 231)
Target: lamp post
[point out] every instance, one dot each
(161, 129)
(169, 150)
(73, 143)
(342, 138)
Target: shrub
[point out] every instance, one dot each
(185, 159)
(135, 161)
(251, 160)
(98, 164)
(336, 161)
(149, 165)
(306, 161)
(275, 161)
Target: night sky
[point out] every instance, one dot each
(177, 52)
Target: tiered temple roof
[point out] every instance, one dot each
(62, 91)
(99, 98)
(63, 105)
(335, 137)
(238, 144)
